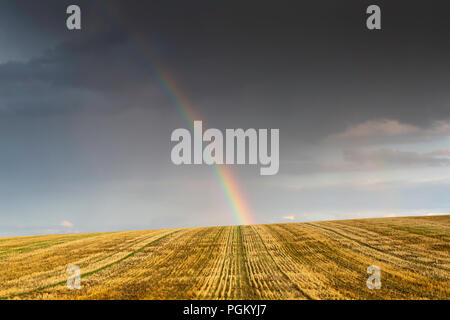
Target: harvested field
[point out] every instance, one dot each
(316, 260)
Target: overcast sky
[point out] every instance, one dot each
(85, 125)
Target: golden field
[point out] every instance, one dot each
(317, 260)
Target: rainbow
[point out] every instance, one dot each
(234, 195)
(227, 181)
(225, 177)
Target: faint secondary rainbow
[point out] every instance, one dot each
(226, 179)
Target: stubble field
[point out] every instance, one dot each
(317, 260)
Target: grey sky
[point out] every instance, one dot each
(85, 124)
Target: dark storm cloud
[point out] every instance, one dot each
(100, 71)
(310, 68)
(84, 62)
